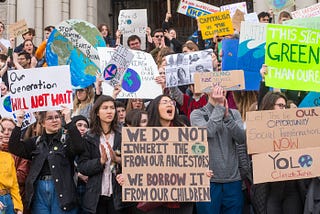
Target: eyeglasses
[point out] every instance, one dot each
(158, 36)
(165, 102)
(281, 105)
(51, 118)
(80, 90)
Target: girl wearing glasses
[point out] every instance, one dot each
(50, 187)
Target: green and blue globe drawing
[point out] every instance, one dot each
(61, 51)
(7, 104)
(131, 81)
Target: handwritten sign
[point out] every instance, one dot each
(40, 89)
(165, 164)
(6, 111)
(228, 80)
(219, 23)
(312, 11)
(251, 52)
(237, 18)
(312, 22)
(133, 22)
(181, 67)
(286, 165)
(312, 99)
(251, 17)
(114, 70)
(195, 8)
(292, 56)
(138, 80)
(276, 130)
(242, 6)
(18, 28)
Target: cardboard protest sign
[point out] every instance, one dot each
(278, 5)
(218, 23)
(6, 111)
(114, 70)
(292, 56)
(237, 18)
(286, 165)
(195, 8)
(251, 52)
(181, 67)
(74, 42)
(133, 22)
(312, 99)
(269, 131)
(40, 89)
(242, 6)
(228, 80)
(312, 22)
(251, 17)
(138, 80)
(18, 28)
(311, 11)
(229, 54)
(165, 164)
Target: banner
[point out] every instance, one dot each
(165, 164)
(181, 67)
(242, 6)
(292, 56)
(195, 8)
(138, 80)
(286, 165)
(133, 22)
(114, 70)
(228, 80)
(277, 130)
(219, 23)
(40, 89)
(18, 28)
(6, 111)
(311, 11)
(251, 52)
(229, 54)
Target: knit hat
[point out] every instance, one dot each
(80, 117)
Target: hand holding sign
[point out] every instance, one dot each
(217, 97)
(20, 117)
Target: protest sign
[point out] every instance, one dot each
(165, 164)
(278, 5)
(229, 54)
(40, 89)
(18, 28)
(228, 80)
(276, 130)
(312, 11)
(114, 70)
(6, 111)
(181, 67)
(292, 56)
(133, 22)
(242, 6)
(251, 52)
(74, 43)
(312, 99)
(218, 23)
(138, 80)
(312, 22)
(195, 8)
(286, 165)
(237, 18)
(251, 17)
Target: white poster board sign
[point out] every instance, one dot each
(242, 6)
(133, 22)
(40, 89)
(139, 79)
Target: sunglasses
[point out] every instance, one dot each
(158, 36)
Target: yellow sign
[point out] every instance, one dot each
(218, 23)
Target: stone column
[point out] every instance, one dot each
(78, 9)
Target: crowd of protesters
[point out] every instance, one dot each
(69, 160)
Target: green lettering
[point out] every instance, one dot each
(273, 57)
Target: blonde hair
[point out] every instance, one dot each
(90, 98)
